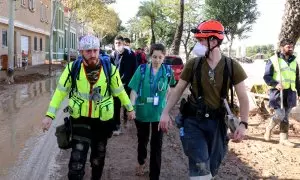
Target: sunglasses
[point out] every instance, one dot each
(211, 75)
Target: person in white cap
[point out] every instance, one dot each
(91, 82)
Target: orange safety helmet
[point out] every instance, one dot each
(210, 28)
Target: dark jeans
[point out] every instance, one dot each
(143, 133)
(117, 110)
(205, 143)
(88, 132)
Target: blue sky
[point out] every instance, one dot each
(265, 30)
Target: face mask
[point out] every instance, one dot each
(119, 48)
(199, 49)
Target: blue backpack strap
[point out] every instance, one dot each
(143, 72)
(106, 64)
(168, 72)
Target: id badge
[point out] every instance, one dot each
(155, 100)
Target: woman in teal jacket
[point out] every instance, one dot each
(150, 85)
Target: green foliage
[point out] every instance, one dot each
(266, 50)
(102, 19)
(192, 17)
(164, 16)
(237, 16)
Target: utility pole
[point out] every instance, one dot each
(55, 7)
(11, 40)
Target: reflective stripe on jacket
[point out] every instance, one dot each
(81, 103)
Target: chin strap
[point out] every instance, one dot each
(211, 49)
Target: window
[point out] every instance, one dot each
(23, 3)
(31, 5)
(35, 44)
(4, 38)
(42, 13)
(41, 44)
(45, 13)
(65, 38)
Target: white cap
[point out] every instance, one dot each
(89, 42)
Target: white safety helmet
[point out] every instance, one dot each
(89, 42)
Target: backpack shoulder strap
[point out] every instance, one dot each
(106, 64)
(168, 72)
(74, 74)
(142, 71)
(196, 72)
(228, 72)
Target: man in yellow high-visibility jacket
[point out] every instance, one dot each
(282, 74)
(90, 107)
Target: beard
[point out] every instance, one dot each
(289, 53)
(91, 62)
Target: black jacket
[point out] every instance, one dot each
(126, 63)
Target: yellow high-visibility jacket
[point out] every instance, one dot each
(288, 72)
(81, 103)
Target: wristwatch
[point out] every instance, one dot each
(245, 124)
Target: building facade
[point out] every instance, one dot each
(32, 30)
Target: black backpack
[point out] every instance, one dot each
(228, 72)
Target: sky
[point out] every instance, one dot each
(264, 31)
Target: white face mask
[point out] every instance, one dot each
(199, 49)
(119, 48)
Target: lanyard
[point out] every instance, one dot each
(155, 82)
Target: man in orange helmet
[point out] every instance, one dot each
(203, 130)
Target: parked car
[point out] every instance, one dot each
(176, 64)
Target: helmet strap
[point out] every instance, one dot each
(211, 49)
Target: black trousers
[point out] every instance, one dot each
(88, 132)
(117, 110)
(143, 133)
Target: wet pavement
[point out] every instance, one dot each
(22, 141)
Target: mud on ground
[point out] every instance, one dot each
(31, 74)
(252, 159)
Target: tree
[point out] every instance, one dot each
(177, 38)
(237, 16)
(192, 17)
(150, 10)
(290, 28)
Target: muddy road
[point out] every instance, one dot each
(29, 154)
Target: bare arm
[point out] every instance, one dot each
(174, 95)
(133, 96)
(243, 100)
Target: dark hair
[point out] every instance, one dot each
(284, 42)
(119, 37)
(127, 40)
(157, 47)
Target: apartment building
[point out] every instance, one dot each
(32, 29)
